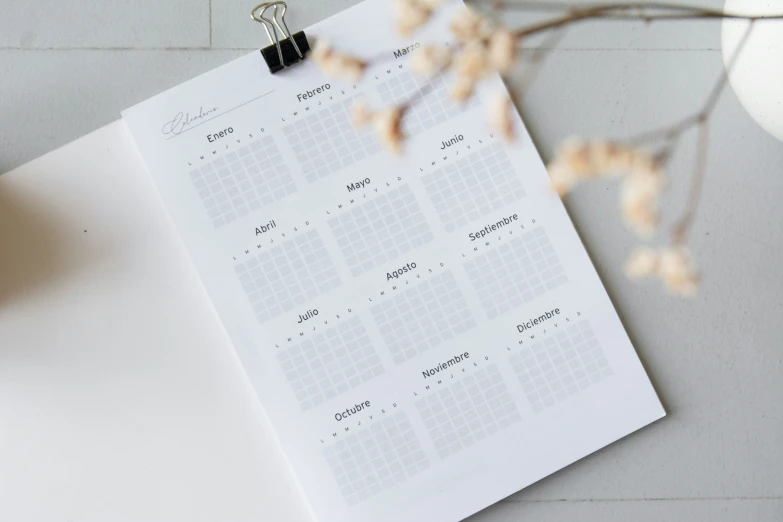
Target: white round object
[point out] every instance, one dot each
(757, 76)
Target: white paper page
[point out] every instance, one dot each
(128, 405)
(425, 332)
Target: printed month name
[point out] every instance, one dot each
(494, 226)
(357, 185)
(395, 274)
(453, 141)
(309, 94)
(537, 320)
(308, 315)
(448, 364)
(399, 53)
(261, 229)
(222, 134)
(356, 408)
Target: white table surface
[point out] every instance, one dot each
(92, 432)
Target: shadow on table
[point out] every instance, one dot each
(32, 253)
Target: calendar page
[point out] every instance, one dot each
(425, 332)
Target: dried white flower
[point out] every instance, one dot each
(472, 61)
(561, 178)
(677, 271)
(639, 200)
(502, 50)
(576, 155)
(412, 14)
(335, 63)
(642, 263)
(577, 160)
(387, 127)
(587, 159)
(673, 266)
(386, 123)
(462, 88)
(430, 59)
(467, 25)
(361, 114)
(501, 120)
(571, 163)
(470, 64)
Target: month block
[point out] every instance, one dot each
(560, 366)
(474, 186)
(242, 181)
(471, 409)
(326, 141)
(382, 229)
(516, 272)
(330, 363)
(285, 277)
(375, 458)
(423, 316)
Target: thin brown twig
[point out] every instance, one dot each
(670, 132)
(674, 131)
(562, 6)
(624, 12)
(712, 99)
(681, 228)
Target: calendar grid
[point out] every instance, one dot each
(288, 275)
(468, 411)
(380, 230)
(426, 315)
(327, 140)
(433, 105)
(331, 363)
(560, 366)
(243, 181)
(376, 458)
(516, 272)
(473, 187)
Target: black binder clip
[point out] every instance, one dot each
(283, 52)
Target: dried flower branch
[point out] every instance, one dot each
(483, 46)
(335, 63)
(386, 123)
(431, 59)
(502, 50)
(672, 265)
(500, 117)
(640, 196)
(626, 11)
(412, 14)
(468, 25)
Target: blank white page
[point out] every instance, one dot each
(120, 395)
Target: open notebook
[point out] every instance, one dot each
(425, 333)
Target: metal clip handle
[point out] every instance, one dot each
(257, 14)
